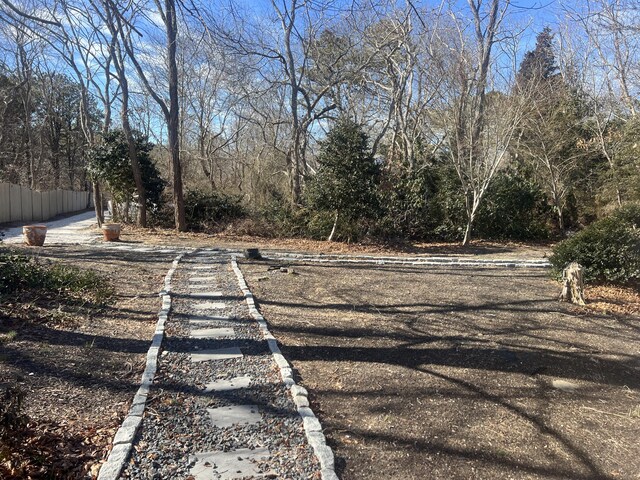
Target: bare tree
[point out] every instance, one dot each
(282, 58)
(552, 145)
(479, 125)
(170, 109)
(70, 31)
(613, 28)
(604, 51)
(209, 121)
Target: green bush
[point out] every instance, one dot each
(609, 249)
(282, 219)
(424, 204)
(109, 162)
(515, 208)
(405, 198)
(207, 211)
(20, 273)
(345, 185)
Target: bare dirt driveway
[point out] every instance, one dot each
(456, 373)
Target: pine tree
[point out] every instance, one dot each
(347, 178)
(539, 63)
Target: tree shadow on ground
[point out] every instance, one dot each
(497, 359)
(492, 345)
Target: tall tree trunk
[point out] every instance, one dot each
(467, 232)
(133, 157)
(295, 156)
(471, 216)
(333, 230)
(471, 206)
(113, 19)
(173, 120)
(26, 76)
(97, 203)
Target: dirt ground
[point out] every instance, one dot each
(79, 365)
(459, 373)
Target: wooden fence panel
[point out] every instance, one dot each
(16, 203)
(21, 204)
(46, 205)
(59, 202)
(36, 206)
(26, 207)
(5, 202)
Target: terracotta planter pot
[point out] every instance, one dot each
(111, 232)
(34, 235)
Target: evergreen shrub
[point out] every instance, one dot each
(514, 208)
(609, 249)
(209, 211)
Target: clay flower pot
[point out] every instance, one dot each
(34, 235)
(111, 232)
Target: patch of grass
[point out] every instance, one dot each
(8, 337)
(36, 290)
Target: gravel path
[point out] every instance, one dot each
(218, 407)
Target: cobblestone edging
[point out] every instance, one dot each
(123, 440)
(382, 260)
(312, 427)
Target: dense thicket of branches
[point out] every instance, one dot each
(239, 97)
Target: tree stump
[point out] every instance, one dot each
(573, 284)
(252, 254)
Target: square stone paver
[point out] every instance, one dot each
(209, 305)
(204, 319)
(222, 417)
(202, 286)
(202, 279)
(228, 385)
(222, 332)
(205, 295)
(216, 354)
(227, 465)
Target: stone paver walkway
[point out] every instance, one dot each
(219, 407)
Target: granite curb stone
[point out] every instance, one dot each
(311, 424)
(122, 441)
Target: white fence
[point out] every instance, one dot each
(21, 204)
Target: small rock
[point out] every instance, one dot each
(564, 385)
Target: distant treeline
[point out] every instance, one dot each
(465, 126)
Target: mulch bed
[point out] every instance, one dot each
(460, 373)
(79, 365)
(163, 236)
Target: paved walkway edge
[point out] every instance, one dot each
(447, 261)
(312, 427)
(123, 440)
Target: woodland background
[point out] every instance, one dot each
(364, 119)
